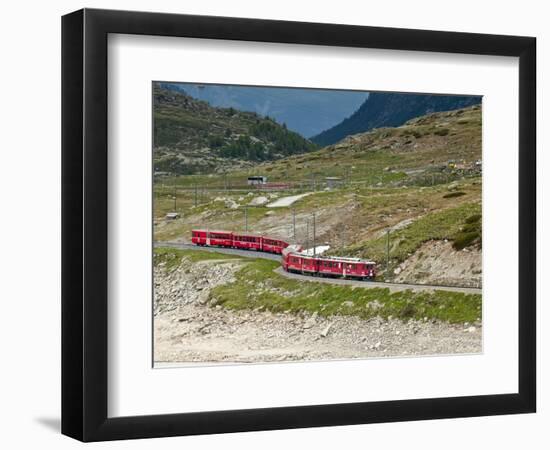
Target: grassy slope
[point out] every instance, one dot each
(190, 135)
(257, 286)
(353, 219)
(444, 224)
(421, 144)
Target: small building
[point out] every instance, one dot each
(172, 216)
(333, 182)
(256, 179)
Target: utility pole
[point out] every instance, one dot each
(307, 234)
(175, 195)
(196, 195)
(294, 223)
(245, 219)
(343, 236)
(314, 252)
(388, 252)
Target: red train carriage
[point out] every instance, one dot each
(293, 261)
(212, 238)
(273, 245)
(247, 241)
(363, 269)
(330, 267)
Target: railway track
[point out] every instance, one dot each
(393, 287)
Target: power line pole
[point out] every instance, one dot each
(314, 252)
(245, 219)
(196, 195)
(307, 234)
(175, 195)
(388, 252)
(294, 223)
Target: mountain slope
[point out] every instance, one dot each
(191, 136)
(306, 111)
(390, 110)
(422, 145)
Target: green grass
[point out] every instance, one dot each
(172, 257)
(257, 286)
(469, 234)
(440, 225)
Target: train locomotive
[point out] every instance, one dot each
(327, 266)
(294, 260)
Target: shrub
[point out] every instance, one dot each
(463, 240)
(454, 194)
(441, 132)
(473, 218)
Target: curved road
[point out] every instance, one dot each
(393, 287)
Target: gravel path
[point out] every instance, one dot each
(287, 201)
(187, 329)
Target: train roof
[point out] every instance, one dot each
(211, 231)
(236, 233)
(336, 258)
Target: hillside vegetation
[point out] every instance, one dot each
(386, 109)
(191, 136)
(420, 181)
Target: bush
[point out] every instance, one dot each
(469, 234)
(454, 194)
(441, 132)
(463, 240)
(473, 218)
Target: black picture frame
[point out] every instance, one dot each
(84, 224)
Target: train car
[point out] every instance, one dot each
(359, 269)
(330, 267)
(212, 238)
(198, 237)
(273, 245)
(310, 265)
(294, 261)
(247, 241)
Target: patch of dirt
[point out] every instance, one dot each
(438, 263)
(189, 329)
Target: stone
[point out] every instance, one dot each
(325, 332)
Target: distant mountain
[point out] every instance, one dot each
(190, 136)
(306, 111)
(392, 110)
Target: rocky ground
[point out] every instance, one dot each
(188, 329)
(437, 263)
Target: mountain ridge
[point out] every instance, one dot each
(305, 111)
(382, 109)
(190, 136)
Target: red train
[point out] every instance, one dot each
(329, 266)
(293, 260)
(238, 240)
